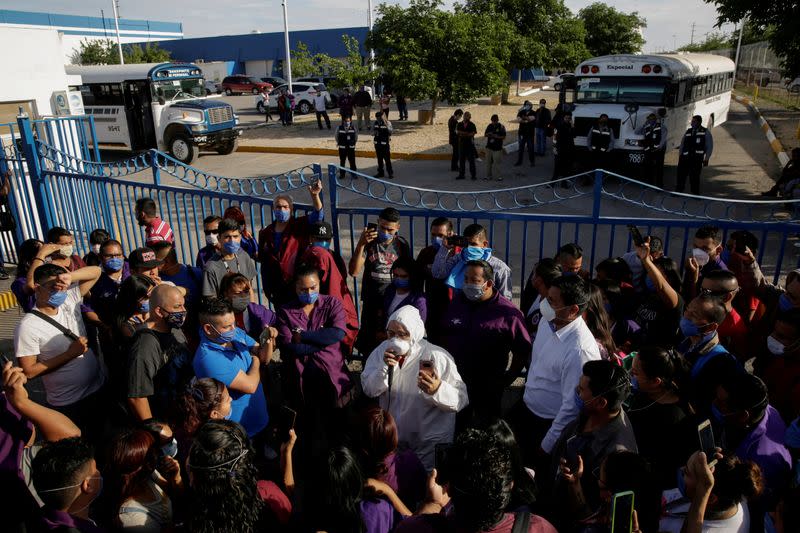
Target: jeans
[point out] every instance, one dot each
(362, 112)
(320, 116)
(523, 142)
(493, 159)
(466, 152)
(541, 140)
(402, 109)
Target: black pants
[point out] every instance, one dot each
(385, 113)
(454, 159)
(89, 414)
(466, 152)
(691, 167)
(562, 166)
(526, 141)
(402, 110)
(653, 168)
(529, 431)
(268, 114)
(347, 154)
(320, 115)
(383, 152)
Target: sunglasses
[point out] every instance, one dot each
(211, 231)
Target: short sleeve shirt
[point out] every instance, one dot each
(469, 128)
(216, 268)
(158, 365)
(495, 129)
(34, 337)
(378, 266)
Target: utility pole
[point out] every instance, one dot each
(371, 51)
(691, 39)
(738, 48)
(116, 25)
(288, 62)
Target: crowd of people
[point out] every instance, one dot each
(175, 401)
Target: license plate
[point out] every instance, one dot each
(636, 158)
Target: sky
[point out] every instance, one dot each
(669, 22)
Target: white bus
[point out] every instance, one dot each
(627, 88)
(156, 105)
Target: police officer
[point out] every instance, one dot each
(383, 131)
(600, 142)
(654, 145)
(346, 139)
(695, 151)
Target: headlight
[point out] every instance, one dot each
(193, 116)
(199, 127)
(633, 142)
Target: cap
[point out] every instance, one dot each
(321, 230)
(144, 258)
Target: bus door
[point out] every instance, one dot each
(140, 114)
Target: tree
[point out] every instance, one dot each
(304, 63)
(433, 54)
(713, 41)
(106, 52)
(609, 31)
(781, 18)
(151, 53)
(350, 71)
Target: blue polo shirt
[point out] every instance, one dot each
(214, 360)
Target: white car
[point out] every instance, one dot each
(303, 92)
(212, 87)
(794, 85)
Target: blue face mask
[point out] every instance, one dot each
(579, 403)
(401, 283)
(114, 264)
(57, 298)
(144, 307)
(688, 328)
(384, 236)
(473, 253)
(634, 384)
(784, 303)
(725, 256)
(681, 483)
(607, 307)
(649, 285)
(232, 246)
(437, 242)
(223, 338)
(280, 215)
(569, 274)
(308, 298)
(323, 244)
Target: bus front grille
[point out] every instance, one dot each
(218, 115)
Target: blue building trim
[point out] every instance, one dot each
(78, 22)
(261, 46)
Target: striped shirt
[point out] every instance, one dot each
(158, 231)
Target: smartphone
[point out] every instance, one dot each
(287, 419)
(622, 512)
(571, 453)
(636, 236)
(440, 452)
(372, 226)
(426, 367)
(706, 434)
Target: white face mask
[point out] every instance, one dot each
(398, 346)
(212, 239)
(66, 250)
(548, 313)
(701, 256)
(775, 346)
(96, 248)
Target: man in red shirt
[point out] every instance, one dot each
(155, 230)
(722, 285)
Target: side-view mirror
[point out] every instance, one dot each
(161, 100)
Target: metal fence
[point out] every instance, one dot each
(68, 186)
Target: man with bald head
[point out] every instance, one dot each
(722, 286)
(158, 360)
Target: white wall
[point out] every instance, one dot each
(33, 65)
(260, 69)
(214, 70)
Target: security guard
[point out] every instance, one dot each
(600, 142)
(654, 145)
(696, 147)
(383, 131)
(346, 139)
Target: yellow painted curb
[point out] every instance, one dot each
(772, 139)
(7, 301)
(331, 152)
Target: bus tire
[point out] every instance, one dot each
(227, 147)
(183, 149)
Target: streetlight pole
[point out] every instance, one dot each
(371, 51)
(116, 25)
(738, 48)
(288, 61)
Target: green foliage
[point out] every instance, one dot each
(609, 31)
(429, 53)
(720, 40)
(548, 34)
(713, 41)
(782, 18)
(350, 71)
(105, 52)
(304, 63)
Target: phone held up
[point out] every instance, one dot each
(707, 445)
(636, 235)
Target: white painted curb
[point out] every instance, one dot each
(774, 142)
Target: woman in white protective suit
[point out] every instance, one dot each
(417, 382)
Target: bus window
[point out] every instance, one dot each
(621, 90)
(171, 90)
(641, 91)
(102, 94)
(597, 90)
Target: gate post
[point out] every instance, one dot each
(40, 194)
(333, 192)
(598, 194)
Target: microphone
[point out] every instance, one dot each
(391, 376)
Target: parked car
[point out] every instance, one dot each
(274, 80)
(303, 92)
(243, 85)
(567, 78)
(212, 87)
(794, 85)
(326, 81)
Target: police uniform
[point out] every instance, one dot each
(600, 142)
(695, 150)
(382, 132)
(654, 146)
(346, 137)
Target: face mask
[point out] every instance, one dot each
(347, 124)
(784, 303)
(774, 346)
(384, 236)
(114, 264)
(308, 298)
(323, 244)
(170, 449)
(144, 307)
(224, 338)
(57, 298)
(716, 414)
(437, 242)
(474, 292)
(232, 246)
(547, 311)
(401, 283)
(634, 384)
(280, 215)
(569, 273)
(681, 483)
(95, 249)
(398, 346)
(212, 240)
(648, 283)
(472, 253)
(240, 303)
(541, 106)
(176, 320)
(579, 403)
(725, 256)
(607, 307)
(66, 250)
(701, 256)
(689, 329)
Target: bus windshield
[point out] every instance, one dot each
(171, 90)
(621, 90)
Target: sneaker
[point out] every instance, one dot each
(460, 177)
(3, 274)
(500, 178)
(378, 175)
(488, 178)
(391, 176)
(479, 160)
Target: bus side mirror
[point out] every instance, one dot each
(161, 100)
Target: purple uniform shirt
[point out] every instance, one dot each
(26, 301)
(15, 432)
(327, 313)
(378, 516)
(52, 520)
(204, 256)
(764, 446)
(256, 318)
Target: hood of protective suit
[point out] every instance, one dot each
(408, 317)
